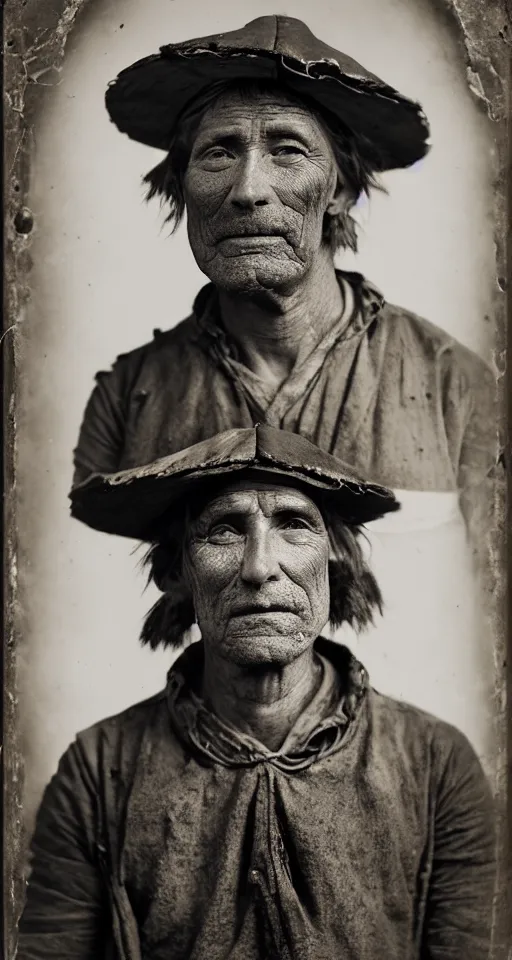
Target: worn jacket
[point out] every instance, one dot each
(392, 394)
(168, 834)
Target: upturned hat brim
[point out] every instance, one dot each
(147, 99)
(133, 502)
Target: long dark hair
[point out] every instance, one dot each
(355, 596)
(166, 179)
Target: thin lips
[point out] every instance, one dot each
(254, 608)
(253, 232)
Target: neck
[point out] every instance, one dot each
(265, 701)
(273, 331)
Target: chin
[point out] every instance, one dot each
(251, 275)
(264, 650)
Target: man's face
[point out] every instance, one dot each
(257, 564)
(260, 179)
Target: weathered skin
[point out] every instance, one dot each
(260, 181)
(255, 547)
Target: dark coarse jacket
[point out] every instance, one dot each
(165, 835)
(388, 392)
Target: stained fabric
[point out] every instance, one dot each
(165, 833)
(387, 392)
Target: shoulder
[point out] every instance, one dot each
(417, 730)
(115, 740)
(462, 799)
(171, 353)
(414, 337)
(132, 718)
(424, 337)
(183, 335)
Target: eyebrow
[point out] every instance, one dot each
(224, 516)
(274, 131)
(282, 131)
(228, 511)
(222, 511)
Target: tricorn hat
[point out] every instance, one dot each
(133, 502)
(147, 99)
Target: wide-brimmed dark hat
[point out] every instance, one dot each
(148, 98)
(131, 503)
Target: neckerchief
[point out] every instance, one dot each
(219, 742)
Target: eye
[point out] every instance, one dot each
(289, 150)
(216, 152)
(295, 523)
(223, 533)
(215, 157)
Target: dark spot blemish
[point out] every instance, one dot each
(24, 221)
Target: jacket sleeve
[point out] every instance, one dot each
(459, 913)
(66, 911)
(101, 438)
(478, 472)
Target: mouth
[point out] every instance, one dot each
(253, 610)
(255, 245)
(253, 233)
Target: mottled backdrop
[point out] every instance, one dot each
(104, 273)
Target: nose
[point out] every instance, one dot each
(260, 563)
(251, 187)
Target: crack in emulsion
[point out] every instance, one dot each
(479, 60)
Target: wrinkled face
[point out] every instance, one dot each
(260, 179)
(257, 563)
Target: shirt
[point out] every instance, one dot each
(167, 833)
(386, 391)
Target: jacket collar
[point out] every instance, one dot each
(214, 741)
(368, 298)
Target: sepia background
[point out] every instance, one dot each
(106, 274)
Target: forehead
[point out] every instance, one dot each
(270, 107)
(252, 497)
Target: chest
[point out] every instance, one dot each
(220, 861)
(366, 412)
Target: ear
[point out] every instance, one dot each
(340, 200)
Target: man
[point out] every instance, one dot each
(268, 804)
(271, 136)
